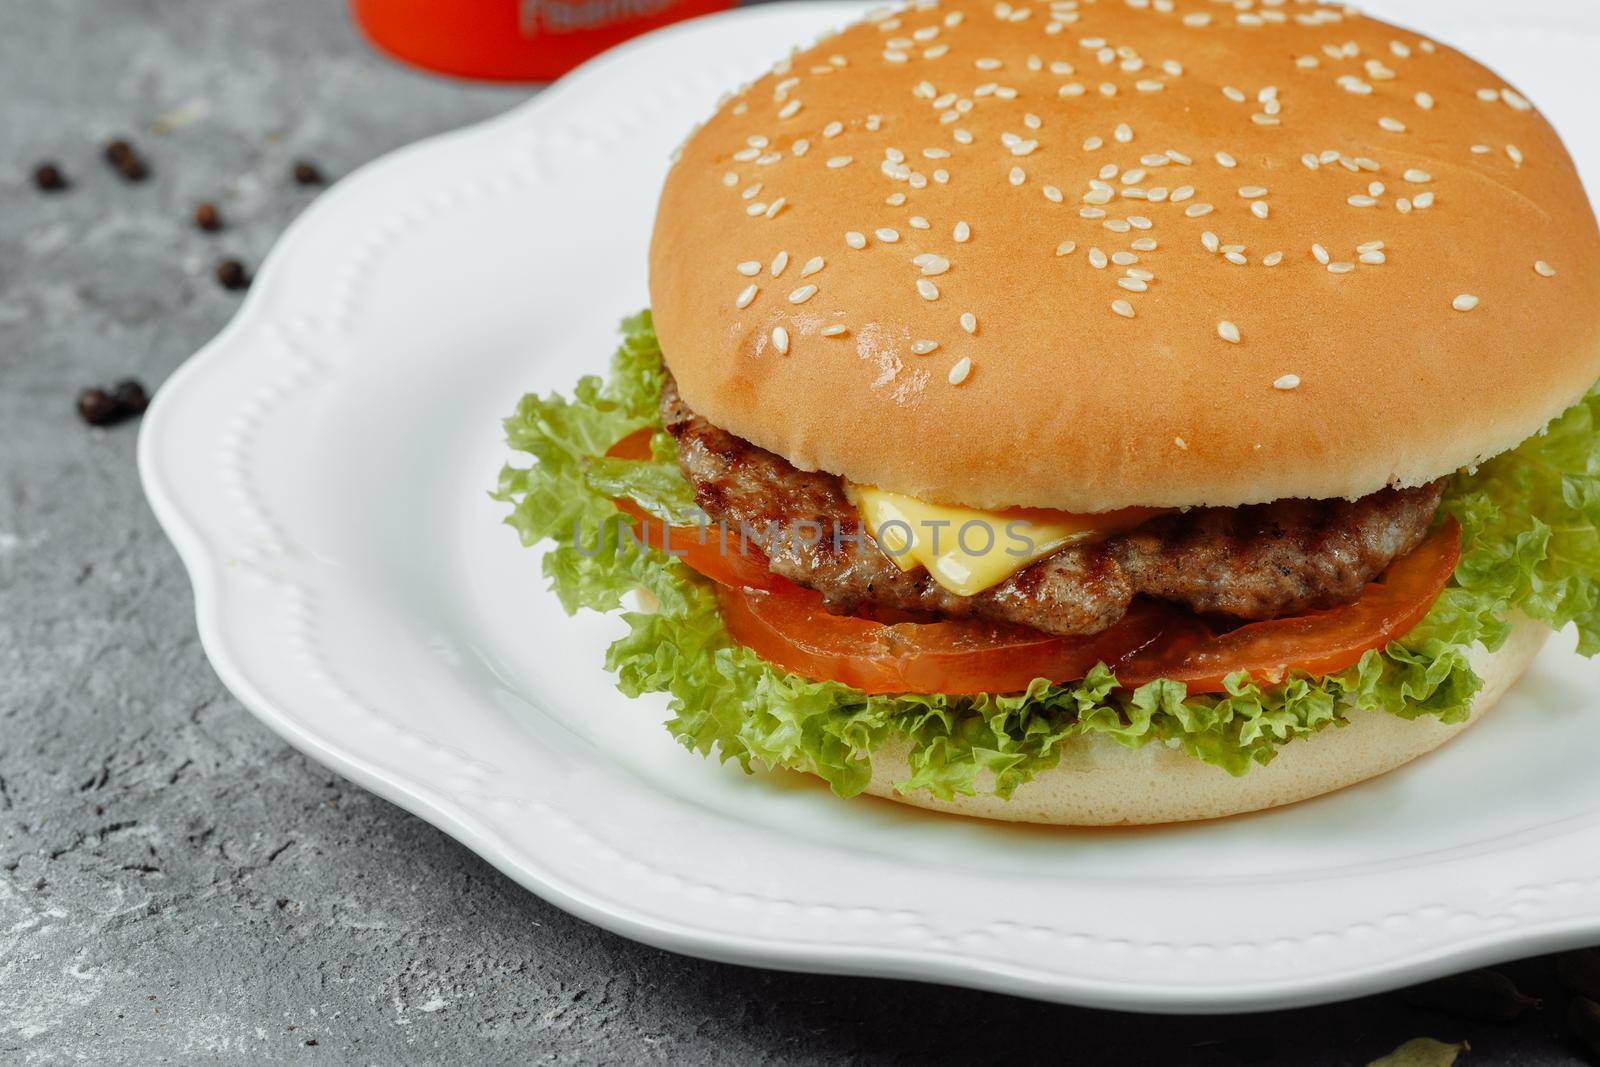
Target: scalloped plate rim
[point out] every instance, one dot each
(211, 587)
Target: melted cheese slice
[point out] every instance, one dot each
(967, 550)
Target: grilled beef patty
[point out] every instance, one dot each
(1254, 562)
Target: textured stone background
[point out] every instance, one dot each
(176, 885)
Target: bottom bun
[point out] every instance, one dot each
(1101, 782)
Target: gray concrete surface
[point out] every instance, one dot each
(176, 885)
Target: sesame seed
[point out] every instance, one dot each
(1226, 160)
(747, 294)
(833, 129)
(1361, 201)
(855, 239)
(1133, 285)
(1181, 443)
(1017, 176)
(969, 322)
(1195, 211)
(1341, 267)
(1123, 133)
(961, 233)
(886, 234)
(922, 348)
(1481, 150)
(1124, 259)
(1403, 205)
(1393, 125)
(1238, 259)
(1252, 192)
(1052, 194)
(1211, 241)
(1182, 193)
(1545, 269)
(814, 264)
(779, 261)
(780, 340)
(927, 290)
(1123, 308)
(1424, 101)
(1418, 177)
(1228, 332)
(749, 268)
(1464, 302)
(960, 371)
(1145, 244)
(1321, 254)
(1097, 259)
(1423, 200)
(1287, 382)
(1373, 259)
(840, 161)
(1515, 154)
(917, 222)
(1066, 248)
(1272, 259)
(802, 294)
(838, 329)
(1259, 209)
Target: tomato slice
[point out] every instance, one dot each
(786, 624)
(1319, 642)
(792, 629)
(714, 551)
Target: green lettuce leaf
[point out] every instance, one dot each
(1531, 543)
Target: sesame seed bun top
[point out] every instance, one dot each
(1088, 255)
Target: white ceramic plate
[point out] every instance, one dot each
(324, 465)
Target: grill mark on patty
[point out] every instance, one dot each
(1252, 562)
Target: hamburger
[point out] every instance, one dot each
(1093, 413)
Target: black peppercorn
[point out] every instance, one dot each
(307, 173)
(207, 217)
(48, 177)
(130, 395)
(125, 159)
(99, 408)
(231, 275)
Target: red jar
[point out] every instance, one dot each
(513, 40)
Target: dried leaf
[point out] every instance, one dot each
(1485, 996)
(1422, 1052)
